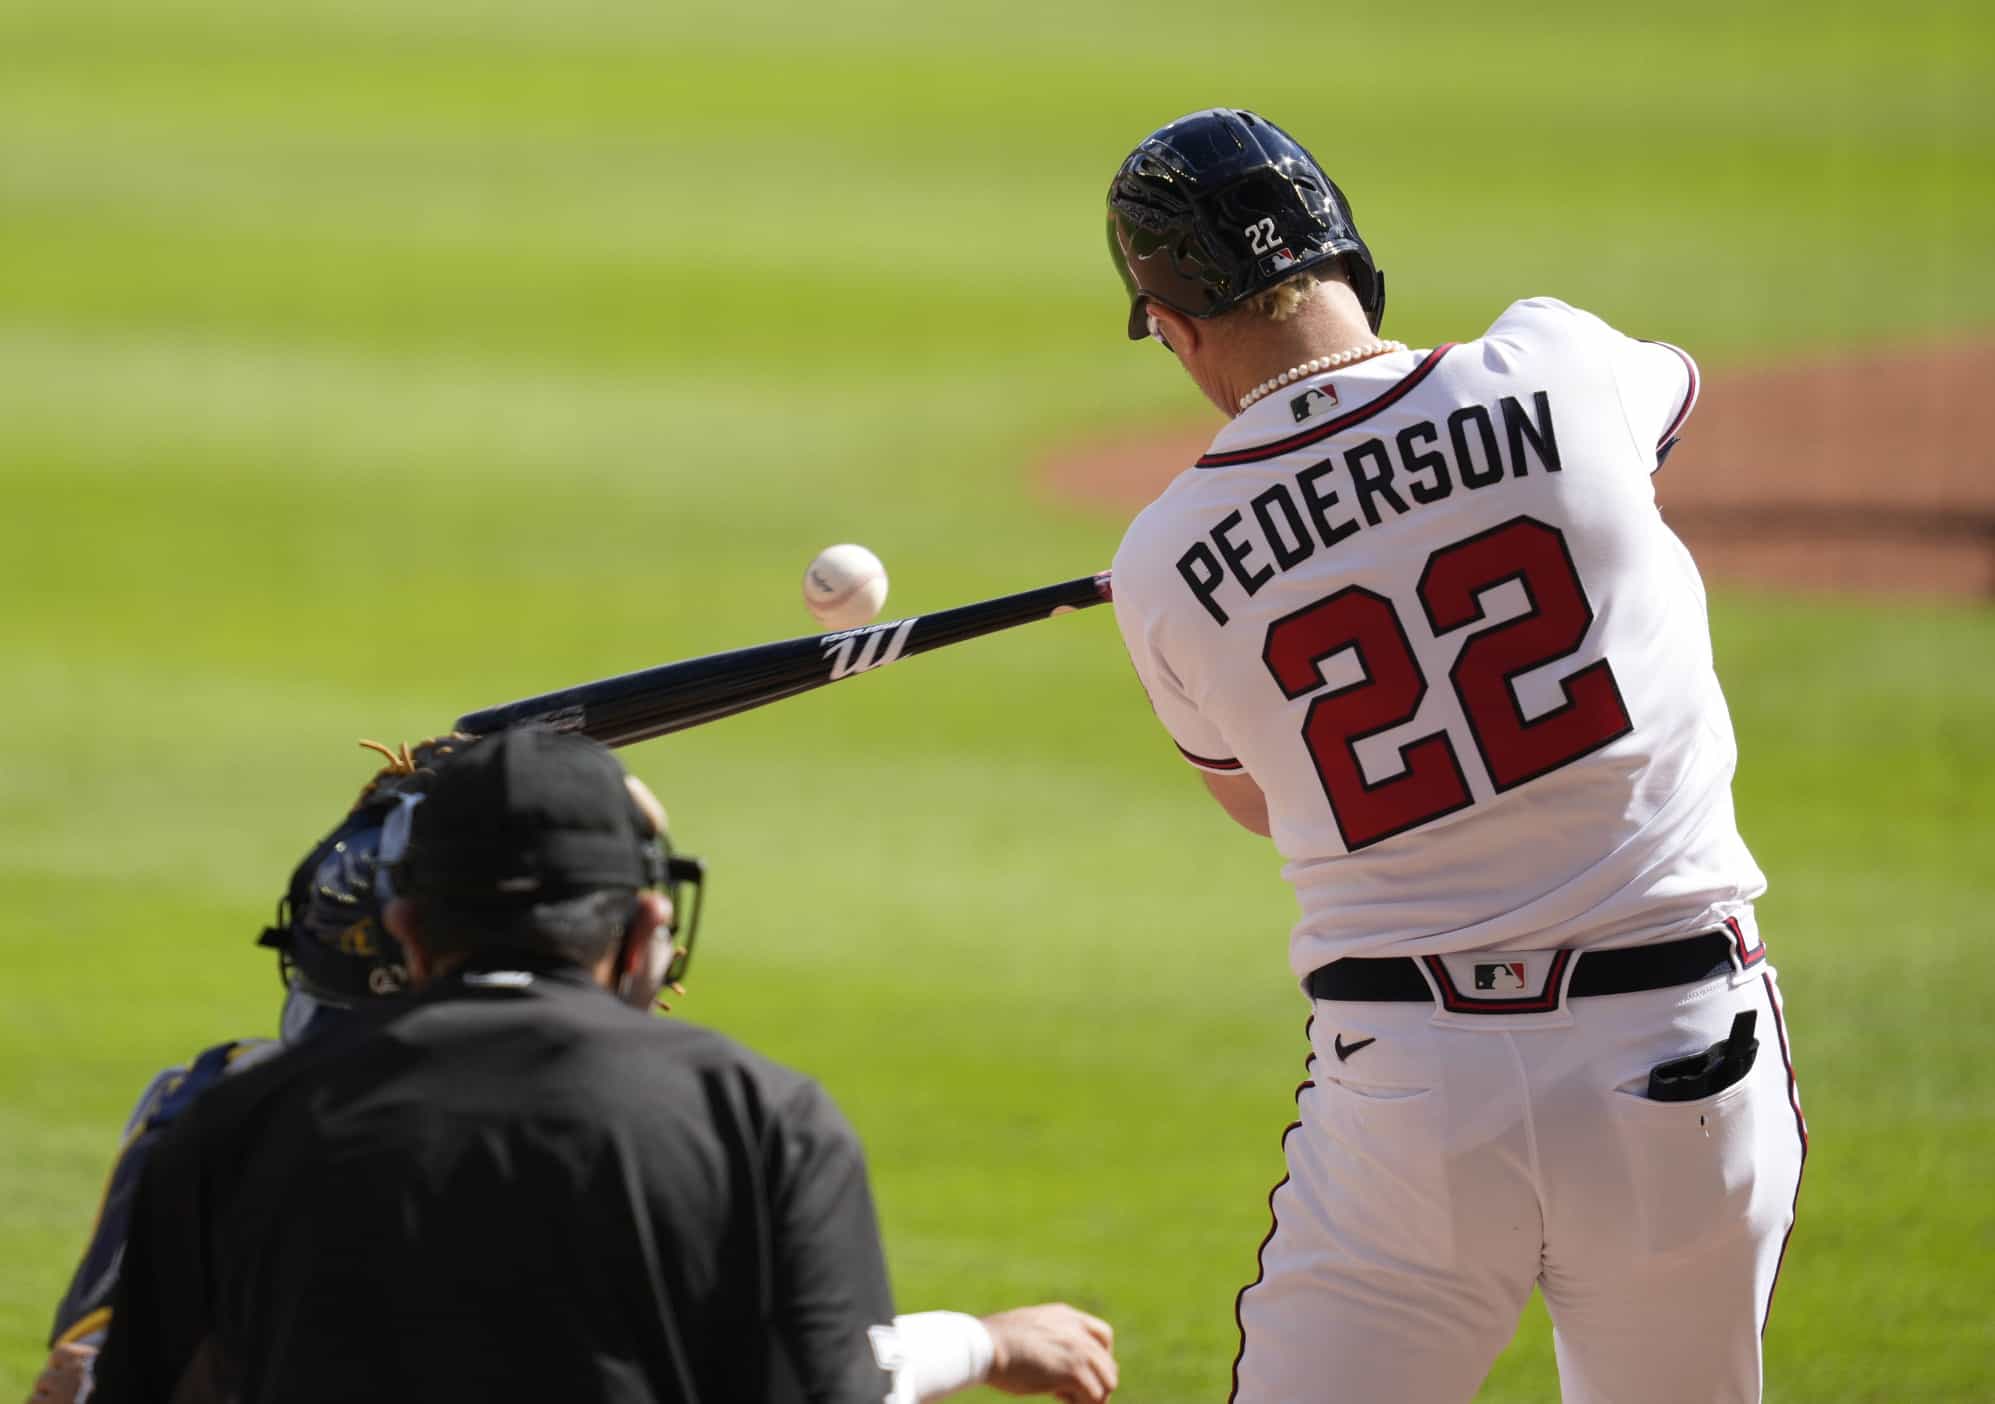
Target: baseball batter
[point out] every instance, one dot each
(1416, 618)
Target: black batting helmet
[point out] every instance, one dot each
(1221, 204)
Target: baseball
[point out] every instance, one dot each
(845, 586)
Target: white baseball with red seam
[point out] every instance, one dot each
(845, 586)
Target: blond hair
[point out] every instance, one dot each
(1284, 299)
(1293, 293)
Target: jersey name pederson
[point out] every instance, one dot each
(1477, 446)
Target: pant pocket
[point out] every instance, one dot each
(1372, 1155)
(1691, 1164)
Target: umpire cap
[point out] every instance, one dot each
(528, 816)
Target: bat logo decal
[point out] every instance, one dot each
(882, 644)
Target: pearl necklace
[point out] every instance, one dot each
(1318, 366)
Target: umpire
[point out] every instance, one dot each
(514, 1184)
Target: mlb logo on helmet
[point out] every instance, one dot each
(1312, 400)
(1501, 975)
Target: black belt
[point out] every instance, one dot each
(1621, 971)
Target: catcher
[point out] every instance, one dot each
(332, 955)
(335, 956)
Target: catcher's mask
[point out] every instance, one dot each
(1222, 204)
(330, 940)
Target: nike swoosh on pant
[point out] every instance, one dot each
(1345, 1050)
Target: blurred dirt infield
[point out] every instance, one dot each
(1872, 474)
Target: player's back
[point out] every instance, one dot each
(1429, 605)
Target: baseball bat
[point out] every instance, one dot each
(652, 702)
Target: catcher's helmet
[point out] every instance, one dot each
(1221, 204)
(329, 937)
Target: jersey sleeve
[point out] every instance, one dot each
(1655, 382)
(1658, 385)
(1139, 618)
(831, 1270)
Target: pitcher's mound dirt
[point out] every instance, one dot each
(1874, 474)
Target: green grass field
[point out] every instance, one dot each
(364, 362)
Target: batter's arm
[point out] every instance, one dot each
(1241, 798)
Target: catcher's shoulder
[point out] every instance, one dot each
(173, 1089)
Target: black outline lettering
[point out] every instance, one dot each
(1236, 555)
(1203, 591)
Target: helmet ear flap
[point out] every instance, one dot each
(1140, 318)
(1369, 284)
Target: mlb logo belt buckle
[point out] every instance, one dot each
(1499, 975)
(1500, 982)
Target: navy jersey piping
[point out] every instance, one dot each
(1209, 762)
(1689, 393)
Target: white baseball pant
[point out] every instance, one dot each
(1439, 1172)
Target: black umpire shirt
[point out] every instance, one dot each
(510, 1187)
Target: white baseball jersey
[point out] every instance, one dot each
(1428, 604)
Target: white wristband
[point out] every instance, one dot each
(932, 1353)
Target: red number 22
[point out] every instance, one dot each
(1513, 749)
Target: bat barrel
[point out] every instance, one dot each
(655, 701)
